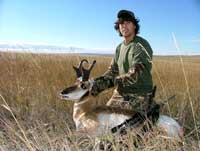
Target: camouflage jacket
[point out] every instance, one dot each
(130, 69)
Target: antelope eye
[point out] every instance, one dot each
(83, 86)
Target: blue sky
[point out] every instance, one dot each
(89, 23)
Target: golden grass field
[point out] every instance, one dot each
(32, 117)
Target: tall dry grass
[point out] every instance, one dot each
(32, 117)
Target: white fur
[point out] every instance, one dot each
(171, 126)
(108, 121)
(111, 120)
(75, 95)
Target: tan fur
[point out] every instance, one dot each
(86, 114)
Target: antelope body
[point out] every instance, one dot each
(89, 117)
(95, 120)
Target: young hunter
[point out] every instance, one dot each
(130, 69)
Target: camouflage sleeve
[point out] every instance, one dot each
(131, 77)
(141, 61)
(106, 80)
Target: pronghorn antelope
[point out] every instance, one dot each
(89, 117)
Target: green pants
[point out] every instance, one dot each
(138, 103)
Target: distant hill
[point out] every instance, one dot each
(44, 48)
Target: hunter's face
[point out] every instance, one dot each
(127, 28)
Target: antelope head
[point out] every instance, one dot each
(82, 87)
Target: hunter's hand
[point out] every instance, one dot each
(94, 89)
(120, 80)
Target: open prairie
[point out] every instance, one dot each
(32, 117)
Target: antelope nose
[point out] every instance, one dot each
(63, 96)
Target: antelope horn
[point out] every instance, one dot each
(92, 65)
(86, 72)
(78, 69)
